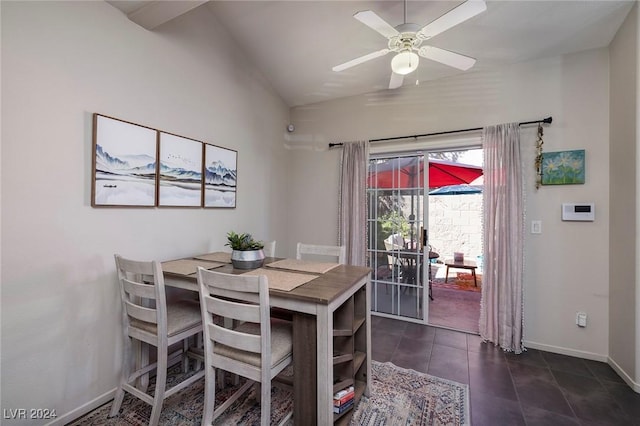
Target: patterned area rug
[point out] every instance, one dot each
(466, 285)
(397, 397)
(407, 397)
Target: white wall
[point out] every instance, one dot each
(61, 62)
(567, 265)
(624, 196)
(313, 192)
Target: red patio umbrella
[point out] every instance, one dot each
(408, 172)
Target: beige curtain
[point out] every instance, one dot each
(353, 201)
(501, 315)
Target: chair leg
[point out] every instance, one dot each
(233, 398)
(222, 380)
(199, 345)
(209, 395)
(185, 358)
(286, 418)
(126, 371)
(430, 281)
(141, 350)
(117, 402)
(265, 403)
(258, 392)
(161, 384)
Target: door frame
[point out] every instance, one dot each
(424, 147)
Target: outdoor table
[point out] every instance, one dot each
(467, 264)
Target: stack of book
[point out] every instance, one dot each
(343, 400)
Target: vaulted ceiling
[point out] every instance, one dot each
(295, 44)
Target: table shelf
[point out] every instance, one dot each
(351, 341)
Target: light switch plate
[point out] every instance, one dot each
(536, 227)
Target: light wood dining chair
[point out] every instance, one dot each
(269, 249)
(148, 319)
(339, 252)
(258, 349)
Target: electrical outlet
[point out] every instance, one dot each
(536, 227)
(581, 319)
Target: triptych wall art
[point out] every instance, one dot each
(137, 166)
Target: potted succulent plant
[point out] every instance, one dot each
(246, 252)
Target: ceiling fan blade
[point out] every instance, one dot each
(465, 11)
(373, 21)
(360, 60)
(396, 80)
(447, 57)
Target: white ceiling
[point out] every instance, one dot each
(296, 43)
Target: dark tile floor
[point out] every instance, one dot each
(535, 388)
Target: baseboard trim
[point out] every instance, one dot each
(84, 409)
(587, 355)
(634, 385)
(566, 351)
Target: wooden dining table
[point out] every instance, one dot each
(312, 306)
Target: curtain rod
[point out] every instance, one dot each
(547, 120)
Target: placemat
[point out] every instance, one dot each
(188, 266)
(303, 265)
(218, 256)
(282, 280)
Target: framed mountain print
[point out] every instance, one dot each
(220, 176)
(180, 173)
(124, 163)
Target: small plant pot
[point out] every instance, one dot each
(247, 259)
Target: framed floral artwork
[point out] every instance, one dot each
(563, 167)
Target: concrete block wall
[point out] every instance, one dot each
(455, 225)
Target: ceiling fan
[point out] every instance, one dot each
(406, 39)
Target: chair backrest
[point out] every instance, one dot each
(269, 249)
(241, 298)
(389, 247)
(318, 250)
(395, 240)
(392, 244)
(144, 305)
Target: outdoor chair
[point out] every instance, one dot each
(393, 245)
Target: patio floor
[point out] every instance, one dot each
(451, 308)
(456, 309)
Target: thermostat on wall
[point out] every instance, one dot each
(583, 212)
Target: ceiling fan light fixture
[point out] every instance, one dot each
(405, 63)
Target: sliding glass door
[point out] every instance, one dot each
(398, 245)
(396, 220)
